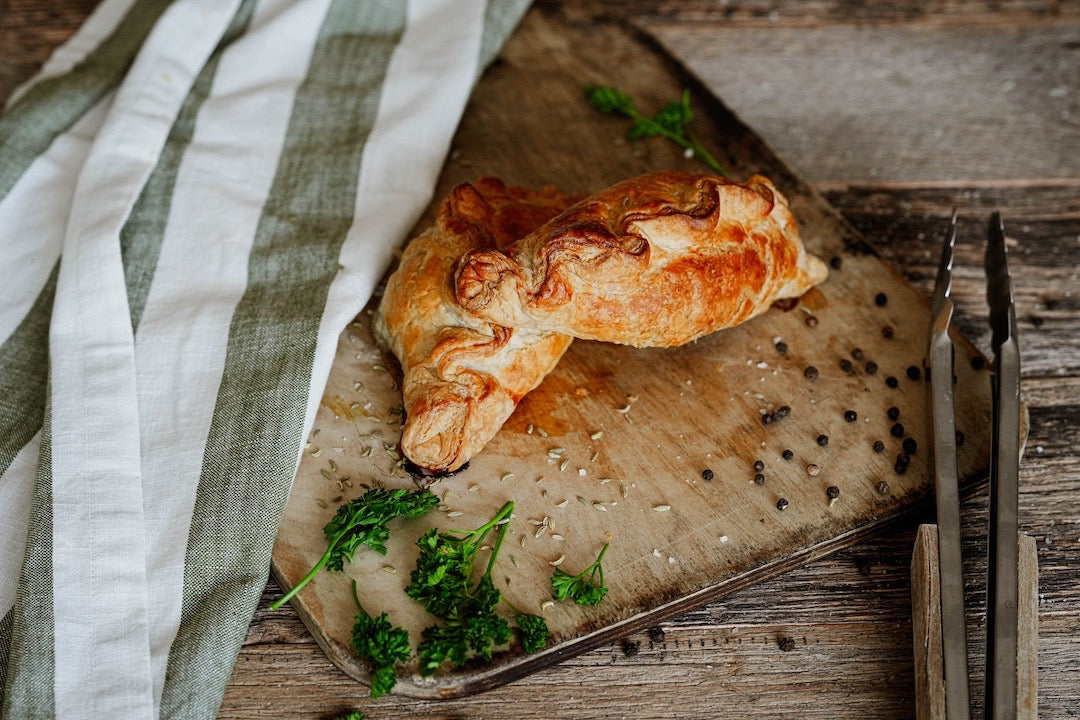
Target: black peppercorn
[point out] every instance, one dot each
(913, 373)
(759, 465)
(781, 347)
(782, 412)
(893, 413)
(850, 416)
(901, 465)
(811, 321)
(630, 649)
(786, 643)
(781, 504)
(857, 353)
(707, 474)
(846, 366)
(887, 332)
(897, 430)
(810, 373)
(835, 262)
(910, 446)
(881, 299)
(879, 447)
(759, 479)
(883, 487)
(787, 454)
(822, 440)
(892, 382)
(656, 634)
(767, 418)
(832, 492)
(871, 367)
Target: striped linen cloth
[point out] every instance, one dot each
(196, 197)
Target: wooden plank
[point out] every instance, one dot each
(912, 97)
(677, 540)
(926, 626)
(1027, 649)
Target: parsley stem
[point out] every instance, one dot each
(311, 573)
(688, 141)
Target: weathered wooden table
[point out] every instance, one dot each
(897, 112)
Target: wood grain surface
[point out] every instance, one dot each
(848, 616)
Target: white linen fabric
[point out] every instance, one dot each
(196, 197)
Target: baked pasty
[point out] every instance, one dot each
(657, 260)
(463, 375)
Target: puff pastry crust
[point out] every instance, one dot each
(657, 260)
(463, 375)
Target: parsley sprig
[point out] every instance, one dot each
(672, 121)
(585, 588)
(363, 522)
(375, 639)
(442, 581)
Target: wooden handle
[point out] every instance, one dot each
(926, 628)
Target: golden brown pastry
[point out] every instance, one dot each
(463, 376)
(657, 260)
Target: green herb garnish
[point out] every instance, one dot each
(442, 581)
(363, 522)
(585, 588)
(375, 639)
(672, 121)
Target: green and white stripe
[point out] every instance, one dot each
(221, 217)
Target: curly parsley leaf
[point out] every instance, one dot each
(353, 715)
(363, 522)
(585, 588)
(375, 639)
(534, 632)
(671, 122)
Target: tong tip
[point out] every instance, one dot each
(999, 284)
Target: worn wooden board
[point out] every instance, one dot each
(690, 408)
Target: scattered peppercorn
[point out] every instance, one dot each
(897, 430)
(787, 454)
(857, 353)
(656, 634)
(832, 492)
(782, 412)
(759, 465)
(887, 332)
(781, 347)
(850, 416)
(630, 649)
(812, 470)
(781, 504)
(846, 366)
(883, 487)
(759, 479)
(879, 447)
(786, 643)
(959, 438)
(767, 418)
(910, 446)
(892, 382)
(822, 440)
(881, 299)
(871, 367)
(707, 474)
(901, 465)
(893, 413)
(811, 321)
(977, 362)
(913, 373)
(810, 373)
(835, 262)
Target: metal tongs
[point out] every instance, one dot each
(941, 662)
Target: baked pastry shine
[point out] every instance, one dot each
(657, 260)
(463, 376)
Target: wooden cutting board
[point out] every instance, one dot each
(614, 446)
